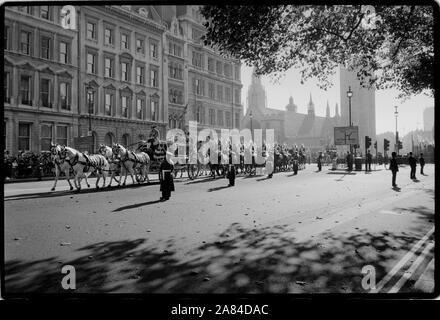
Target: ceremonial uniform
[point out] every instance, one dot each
(166, 179)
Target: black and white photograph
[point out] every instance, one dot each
(155, 148)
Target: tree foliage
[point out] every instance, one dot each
(388, 46)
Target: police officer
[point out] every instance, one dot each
(394, 168)
(166, 176)
(368, 160)
(319, 161)
(422, 163)
(413, 164)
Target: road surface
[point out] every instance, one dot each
(310, 233)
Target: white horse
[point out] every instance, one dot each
(61, 165)
(92, 163)
(114, 162)
(131, 161)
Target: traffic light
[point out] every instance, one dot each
(386, 144)
(399, 145)
(375, 144)
(367, 142)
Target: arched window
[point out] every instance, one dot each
(109, 139)
(126, 140)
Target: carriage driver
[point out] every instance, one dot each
(154, 136)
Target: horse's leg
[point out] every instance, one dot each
(132, 173)
(126, 174)
(57, 173)
(147, 168)
(67, 173)
(98, 177)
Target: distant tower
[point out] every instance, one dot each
(337, 111)
(311, 106)
(292, 107)
(256, 97)
(428, 119)
(363, 105)
(327, 111)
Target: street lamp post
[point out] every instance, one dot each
(396, 148)
(349, 95)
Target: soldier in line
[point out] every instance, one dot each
(422, 163)
(394, 168)
(413, 164)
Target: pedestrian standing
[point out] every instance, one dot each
(422, 163)
(349, 162)
(231, 175)
(319, 161)
(368, 160)
(166, 177)
(394, 168)
(413, 164)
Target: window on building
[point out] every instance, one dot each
(124, 106)
(140, 48)
(228, 94)
(91, 63)
(198, 86)
(46, 137)
(219, 66)
(62, 137)
(237, 96)
(220, 117)
(228, 119)
(211, 116)
(91, 30)
(154, 80)
(124, 71)
(211, 90)
(197, 59)
(64, 52)
(237, 72)
(237, 120)
(108, 104)
(45, 93)
(196, 35)
(108, 67)
(6, 38)
(45, 47)
(6, 90)
(45, 12)
(220, 93)
(154, 110)
(108, 36)
(24, 136)
(211, 65)
(25, 42)
(140, 71)
(124, 41)
(139, 108)
(25, 9)
(153, 49)
(25, 90)
(65, 96)
(91, 101)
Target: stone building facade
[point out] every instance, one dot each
(121, 71)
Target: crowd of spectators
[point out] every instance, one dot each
(27, 165)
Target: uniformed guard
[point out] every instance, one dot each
(166, 176)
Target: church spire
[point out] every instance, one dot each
(255, 78)
(327, 111)
(336, 110)
(311, 106)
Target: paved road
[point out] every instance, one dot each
(313, 232)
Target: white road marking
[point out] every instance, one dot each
(411, 270)
(402, 262)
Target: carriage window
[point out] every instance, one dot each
(46, 137)
(62, 135)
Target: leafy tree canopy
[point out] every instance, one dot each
(388, 46)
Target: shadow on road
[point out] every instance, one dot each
(238, 260)
(218, 188)
(92, 189)
(137, 205)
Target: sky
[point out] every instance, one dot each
(410, 111)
